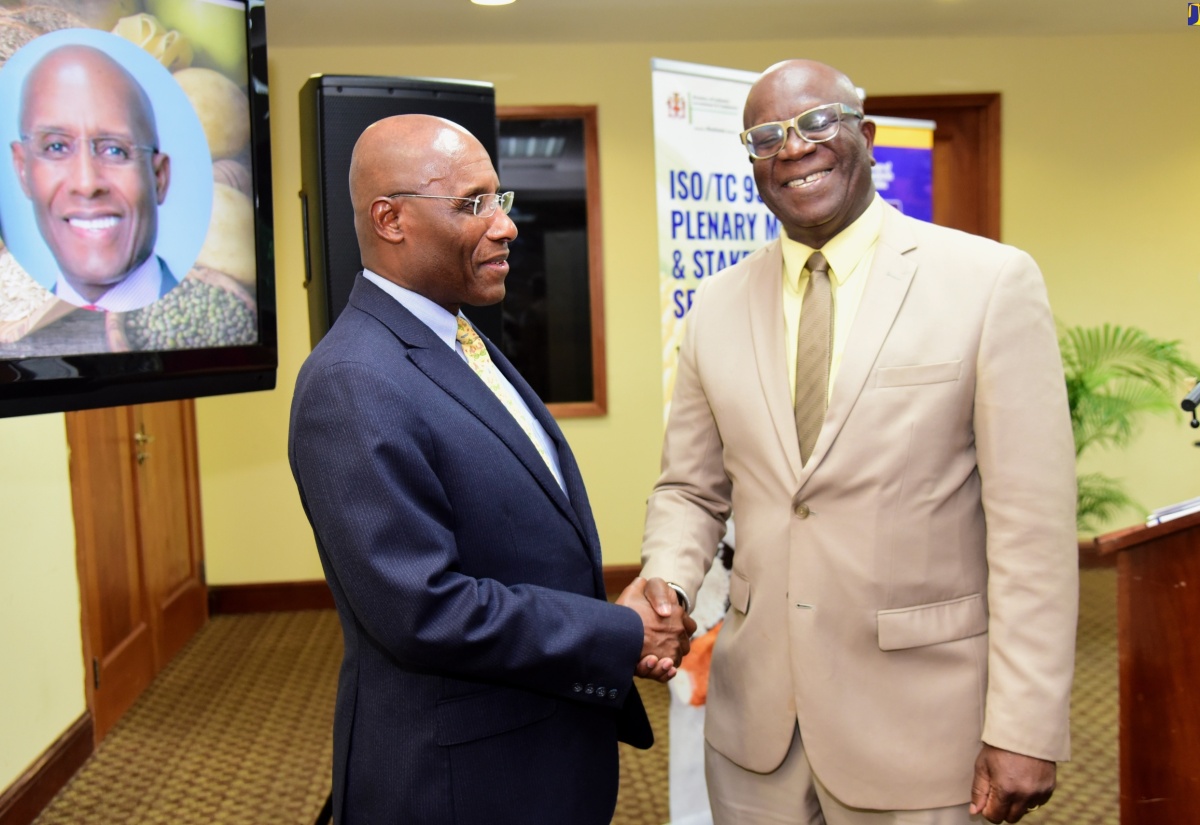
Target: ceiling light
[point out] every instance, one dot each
(491, 2)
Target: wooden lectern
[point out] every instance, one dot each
(1158, 642)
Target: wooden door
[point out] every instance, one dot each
(966, 155)
(168, 523)
(117, 643)
(135, 492)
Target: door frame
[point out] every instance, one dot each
(970, 130)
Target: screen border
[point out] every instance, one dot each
(59, 383)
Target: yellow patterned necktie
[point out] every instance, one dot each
(481, 363)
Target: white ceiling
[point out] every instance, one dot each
(414, 22)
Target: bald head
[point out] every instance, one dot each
(835, 85)
(77, 66)
(815, 189)
(434, 245)
(404, 153)
(88, 158)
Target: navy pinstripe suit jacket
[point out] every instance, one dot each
(485, 677)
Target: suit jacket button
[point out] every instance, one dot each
(612, 693)
(801, 510)
(590, 689)
(578, 688)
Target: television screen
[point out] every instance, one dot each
(135, 203)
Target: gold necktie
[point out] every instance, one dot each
(481, 363)
(814, 348)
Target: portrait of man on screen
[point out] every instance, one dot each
(88, 158)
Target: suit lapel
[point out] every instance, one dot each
(575, 501)
(167, 282)
(566, 461)
(454, 376)
(765, 285)
(445, 368)
(887, 284)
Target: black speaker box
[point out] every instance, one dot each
(334, 111)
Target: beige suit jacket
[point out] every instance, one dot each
(912, 590)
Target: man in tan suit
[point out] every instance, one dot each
(900, 642)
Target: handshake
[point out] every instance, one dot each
(666, 628)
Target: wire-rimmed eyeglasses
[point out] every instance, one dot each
(109, 151)
(816, 125)
(484, 206)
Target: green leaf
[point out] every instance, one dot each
(1101, 497)
(1115, 376)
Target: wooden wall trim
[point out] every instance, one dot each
(314, 595)
(618, 576)
(269, 597)
(1091, 557)
(26, 798)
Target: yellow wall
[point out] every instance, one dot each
(1097, 167)
(41, 680)
(1099, 183)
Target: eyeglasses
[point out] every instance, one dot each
(816, 125)
(109, 151)
(484, 206)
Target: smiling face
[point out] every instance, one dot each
(815, 189)
(100, 220)
(459, 258)
(438, 248)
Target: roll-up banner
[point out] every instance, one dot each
(709, 213)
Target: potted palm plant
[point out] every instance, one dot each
(1115, 375)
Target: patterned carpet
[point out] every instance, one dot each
(1088, 786)
(236, 730)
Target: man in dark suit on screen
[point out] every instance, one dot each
(486, 678)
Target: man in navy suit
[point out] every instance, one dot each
(486, 679)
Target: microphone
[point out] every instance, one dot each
(1189, 403)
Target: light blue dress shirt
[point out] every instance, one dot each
(445, 327)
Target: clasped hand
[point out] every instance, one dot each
(1008, 785)
(666, 628)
